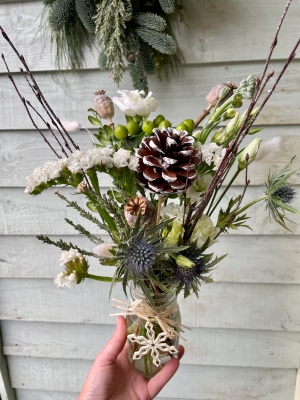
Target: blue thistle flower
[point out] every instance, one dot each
(279, 194)
(139, 255)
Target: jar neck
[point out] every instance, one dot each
(162, 301)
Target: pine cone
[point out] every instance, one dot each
(167, 161)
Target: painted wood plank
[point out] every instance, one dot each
(181, 97)
(297, 389)
(227, 347)
(221, 305)
(216, 383)
(23, 151)
(21, 214)
(209, 37)
(271, 259)
(6, 390)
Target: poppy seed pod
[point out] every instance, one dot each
(104, 106)
(140, 205)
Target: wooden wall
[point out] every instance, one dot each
(245, 338)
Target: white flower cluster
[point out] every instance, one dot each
(65, 278)
(122, 158)
(70, 255)
(80, 162)
(84, 161)
(50, 170)
(209, 155)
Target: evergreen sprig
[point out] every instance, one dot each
(83, 213)
(151, 21)
(160, 41)
(86, 11)
(110, 30)
(63, 245)
(84, 232)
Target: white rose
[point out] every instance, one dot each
(132, 103)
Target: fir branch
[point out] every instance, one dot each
(86, 11)
(162, 42)
(83, 213)
(138, 74)
(151, 21)
(63, 245)
(147, 57)
(168, 6)
(102, 60)
(84, 232)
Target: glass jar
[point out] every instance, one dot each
(137, 326)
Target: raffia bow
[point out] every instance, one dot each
(142, 309)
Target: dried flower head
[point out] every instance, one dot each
(104, 106)
(141, 205)
(214, 94)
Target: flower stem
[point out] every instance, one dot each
(158, 208)
(101, 278)
(250, 204)
(225, 191)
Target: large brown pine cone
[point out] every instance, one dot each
(167, 161)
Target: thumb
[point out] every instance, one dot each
(116, 343)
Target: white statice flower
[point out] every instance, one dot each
(133, 163)
(132, 103)
(81, 162)
(71, 280)
(218, 158)
(70, 255)
(70, 126)
(172, 210)
(50, 170)
(204, 229)
(103, 249)
(121, 158)
(60, 280)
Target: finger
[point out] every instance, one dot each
(180, 352)
(159, 380)
(116, 343)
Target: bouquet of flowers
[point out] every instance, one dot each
(163, 214)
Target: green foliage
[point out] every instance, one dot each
(151, 21)
(131, 43)
(147, 57)
(102, 60)
(63, 245)
(229, 220)
(83, 231)
(48, 2)
(138, 74)
(86, 10)
(83, 212)
(60, 14)
(168, 6)
(110, 31)
(162, 42)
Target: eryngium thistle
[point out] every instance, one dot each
(189, 279)
(279, 194)
(286, 194)
(167, 161)
(140, 255)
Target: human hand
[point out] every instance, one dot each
(112, 377)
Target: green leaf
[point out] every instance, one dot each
(128, 118)
(94, 180)
(113, 194)
(91, 206)
(110, 132)
(94, 121)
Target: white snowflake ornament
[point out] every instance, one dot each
(151, 343)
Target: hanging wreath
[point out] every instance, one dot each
(139, 31)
